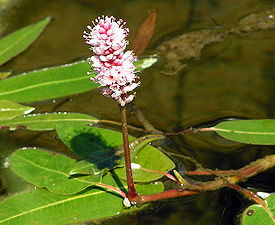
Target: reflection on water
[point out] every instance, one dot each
(233, 77)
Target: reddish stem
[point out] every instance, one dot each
(164, 195)
(132, 194)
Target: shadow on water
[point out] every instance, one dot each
(229, 78)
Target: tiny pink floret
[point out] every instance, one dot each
(114, 66)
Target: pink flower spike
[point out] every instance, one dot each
(114, 67)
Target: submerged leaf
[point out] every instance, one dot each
(145, 33)
(9, 110)
(18, 41)
(259, 132)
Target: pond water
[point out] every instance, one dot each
(215, 62)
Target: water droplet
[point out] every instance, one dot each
(250, 212)
(6, 163)
(263, 195)
(135, 166)
(126, 202)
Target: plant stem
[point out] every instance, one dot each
(132, 194)
(165, 195)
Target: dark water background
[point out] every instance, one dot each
(232, 78)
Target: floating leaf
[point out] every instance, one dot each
(47, 121)
(50, 170)
(9, 110)
(18, 41)
(97, 145)
(256, 214)
(141, 142)
(144, 63)
(48, 83)
(44, 207)
(54, 82)
(259, 132)
(148, 158)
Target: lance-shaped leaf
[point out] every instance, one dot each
(256, 214)
(54, 82)
(9, 110)
(47, 121)
(44, 207)
(18, 41)
(48, 83)
(50, 170)
(98, 146)
(259, 132)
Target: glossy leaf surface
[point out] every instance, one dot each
(50, 170)
(48, 83)
(9, 110)
(100, 146)
(47, 121)
(259, 132)
(44, 207)
(255, 214)
(54, 82)
(18, 41)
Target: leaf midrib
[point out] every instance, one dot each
(19, 40)
(41, 85)
(243, 132)
(52, 204)
(56, 171)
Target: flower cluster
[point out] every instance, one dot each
(114, 67)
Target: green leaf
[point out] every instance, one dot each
(18, 41)
(9, 110)
(44, 207)
(148, 158)
(48, 83)
(256, 214)
(259, 132)
(47, 121)
(144, 63)
(50, 170)
(98, 145)
(53, 82)
(141, 142)
(83, 168)
(95, 145)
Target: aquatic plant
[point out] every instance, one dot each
(68, 190)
